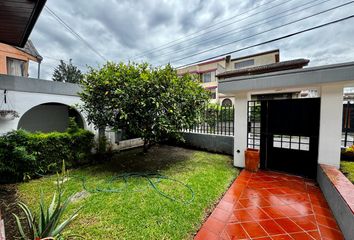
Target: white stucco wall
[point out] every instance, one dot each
(240, 128)
(24, 101)
(331, 125)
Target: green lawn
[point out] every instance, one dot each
(139, 212)
(348, 169)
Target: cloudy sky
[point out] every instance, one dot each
(173, 31)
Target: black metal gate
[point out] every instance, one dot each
(289, 135)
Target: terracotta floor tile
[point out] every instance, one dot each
(236, 231)
(288, 225)
(302, 208)
(301, 236)
(327, 222)
(242, 215)
(273, 212)
(315, 235)
(288, 211)
(274, 200)
(271, 227)
(225, 205)
(254, 230)
(224, 236)
(269, 205)
(282, 237)
(204, 234)
(258, 214)
(221, 214)
(330, 233)
(307, 223)
(322, 211)
(214, 225)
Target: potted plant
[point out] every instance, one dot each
(8, 114)
(252, 159)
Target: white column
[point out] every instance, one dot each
(330, 125)
(240, 129)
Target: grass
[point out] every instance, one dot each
(140, 212)
(348, 169)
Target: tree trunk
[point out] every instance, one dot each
(102, 140)
(146, 146)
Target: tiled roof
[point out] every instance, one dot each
(273, 67)
(31, 50)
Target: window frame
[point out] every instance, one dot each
(23, 66)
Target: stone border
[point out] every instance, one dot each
(2, 228)
(339, 193)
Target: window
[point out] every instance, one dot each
(212, 95)
(292, 142)
(16, 67)
(254, 125)
(206, 77)
(244, 64)
(226, 103)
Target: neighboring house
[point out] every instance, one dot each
(15, 60)
(208, 72)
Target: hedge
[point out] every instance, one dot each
(25, 155)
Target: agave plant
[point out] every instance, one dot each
(47, 225)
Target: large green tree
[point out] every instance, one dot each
(67, 72)
(153, 103)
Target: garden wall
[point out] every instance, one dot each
(339, 193)
(210, 142)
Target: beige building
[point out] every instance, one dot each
(208, 72)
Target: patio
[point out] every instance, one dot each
(270, 205)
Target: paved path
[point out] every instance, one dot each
(269, 205)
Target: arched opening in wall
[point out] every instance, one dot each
(226, 102)
(49, 117)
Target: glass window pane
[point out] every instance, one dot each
(295, 146)
(277, 138)
(304, 139)
(304, 147)
(286, 138)
(285, 145)
(277, 144)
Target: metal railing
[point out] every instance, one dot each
(215, 120)
(348, 125)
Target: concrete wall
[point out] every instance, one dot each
(210, 142)
(45, 118)
(330, 125)
(24, 94)
(240, 129)
(338, 205)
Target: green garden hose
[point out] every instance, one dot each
(148, 176)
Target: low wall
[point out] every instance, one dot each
(210, 142)
(339, 193)
(128, 144)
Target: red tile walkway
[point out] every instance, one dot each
(269, 205)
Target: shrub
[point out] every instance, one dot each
(25, 155)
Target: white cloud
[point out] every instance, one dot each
(120, 30)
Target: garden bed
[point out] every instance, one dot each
(347, 167)
(139, 211)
